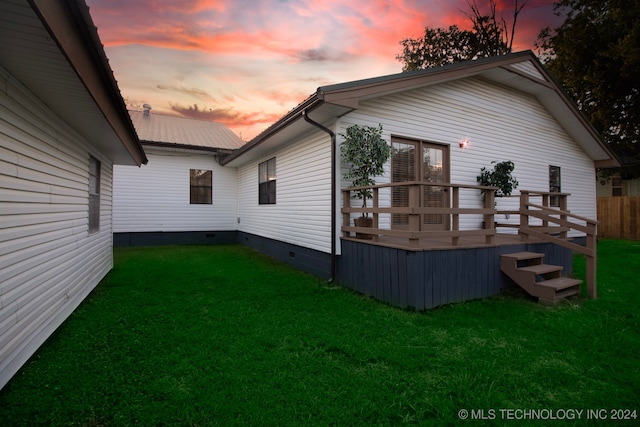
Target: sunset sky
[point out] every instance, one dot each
(246, 63)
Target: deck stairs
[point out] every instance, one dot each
(540, 280)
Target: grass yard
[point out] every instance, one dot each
(224, 336)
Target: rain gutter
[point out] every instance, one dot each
(305, 115)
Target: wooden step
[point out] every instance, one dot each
(524, 268)
(559, 288)
(520, 256)
(560, 283)
(541, 269)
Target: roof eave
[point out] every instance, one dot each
(71, 27)
(212, 150)
(310, 103)
(607, 164)
(351, 93)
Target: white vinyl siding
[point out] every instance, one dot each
(302, 213)
(500, 123)
(527, 67)
(155, 197)
(48, 260)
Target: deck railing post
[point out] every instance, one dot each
(524, 217)
(545, 203)
(489, 219)
(414, 219)
(563, 207)
(376, 205)
(592, 258)
(455, 216)
(346, 216)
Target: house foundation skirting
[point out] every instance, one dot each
(308, 260)
(428, 279)
(159, 238)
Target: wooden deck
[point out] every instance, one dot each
(539, 223)
(443, 243)
(424, 279)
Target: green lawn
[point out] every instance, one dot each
(224, 336)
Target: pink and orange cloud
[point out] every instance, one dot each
(245, 63)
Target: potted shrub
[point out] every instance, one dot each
(366, 152)
(500, 176)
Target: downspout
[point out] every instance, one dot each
(305, 114)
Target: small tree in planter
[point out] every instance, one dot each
(366, 152)
(500, 176)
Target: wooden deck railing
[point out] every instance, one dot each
(415, 229)
(537, 220)
(553, 225)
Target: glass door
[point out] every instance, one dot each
(424, 162)
(434, 170)
(403, 169)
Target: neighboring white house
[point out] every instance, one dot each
(615, 186)
(183, 195)
(63, 124)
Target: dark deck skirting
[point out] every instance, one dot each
(428, 279)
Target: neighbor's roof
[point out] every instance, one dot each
(166, 130)
(53, 49)
(521, 71)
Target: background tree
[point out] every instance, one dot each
(595, 56)
(489, 36)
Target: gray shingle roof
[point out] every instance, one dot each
(183, 131)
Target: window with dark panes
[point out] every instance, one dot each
(267, 182)
(554, 185)
(616, 186)
(200, 186)
(94, 194)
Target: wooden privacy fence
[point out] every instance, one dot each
(619, 217)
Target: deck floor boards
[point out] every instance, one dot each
(425, 244)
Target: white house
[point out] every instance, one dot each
(64, 128)
(63, 124)
(183, 195)
(282, 192)
(462, 117)
(433, 241)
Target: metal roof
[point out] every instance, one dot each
(183, 131)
